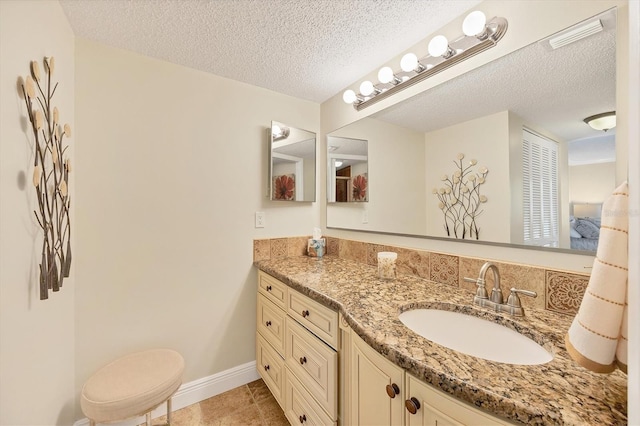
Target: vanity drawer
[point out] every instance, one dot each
(299, 405)
(271, 368)
(270, 323)
(319, 319)
(273, 289)
(314, 363)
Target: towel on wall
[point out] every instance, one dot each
(597, 338)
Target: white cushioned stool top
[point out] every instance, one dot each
(132, 385)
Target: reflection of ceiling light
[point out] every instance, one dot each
(278, 133)
(338, 163)
(332, 148)
(604, 121)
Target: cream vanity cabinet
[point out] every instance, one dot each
(381, 393)
(296, 352)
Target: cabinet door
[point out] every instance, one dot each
(270, 323)
(371, 375)
(440, 409)
(270, 367)
(315, 365)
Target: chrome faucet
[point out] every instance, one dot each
(496, 301)
(496, 292)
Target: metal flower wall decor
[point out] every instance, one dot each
(51, 170)
(460, 199)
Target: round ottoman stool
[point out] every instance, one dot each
(132, 385)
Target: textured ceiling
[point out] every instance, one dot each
(310, 49)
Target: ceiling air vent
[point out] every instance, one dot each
(575, 33)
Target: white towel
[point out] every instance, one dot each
(597, 338)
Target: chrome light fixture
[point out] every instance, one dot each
(478, 37)
(604, 121)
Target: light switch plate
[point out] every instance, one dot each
(260, 220)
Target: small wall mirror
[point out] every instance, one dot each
(292, 163)
(347, 170)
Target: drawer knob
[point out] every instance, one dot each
(266, 367)
(413, 405)
(302, 418)
(268, 323)
(305, 313)
(268, 288)
(393, 390)
(303, 360)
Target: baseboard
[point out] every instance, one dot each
(198, 390)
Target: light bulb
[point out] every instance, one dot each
(438, 46)
(409, 62)
(385, 75)
(366, 88)
(276, 130)
(338, 163)
(474, 24)
(349, 96)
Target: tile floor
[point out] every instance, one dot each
(251, 405)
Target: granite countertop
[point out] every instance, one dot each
(558, 392)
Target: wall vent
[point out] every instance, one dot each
(574, 34)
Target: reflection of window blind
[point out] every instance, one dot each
(540, 190)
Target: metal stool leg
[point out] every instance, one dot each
(169, 412)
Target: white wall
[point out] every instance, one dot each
(395, 169)
(36, 337)
(172, 168)
(486, 140)
(591, 183)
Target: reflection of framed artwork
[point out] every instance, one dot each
(284, 187)
(359, 188)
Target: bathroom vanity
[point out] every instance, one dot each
(332, 350)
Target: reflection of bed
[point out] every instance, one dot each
(585, 232)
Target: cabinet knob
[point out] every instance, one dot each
(302, 418)
(305, 313)
(413, 405)
(266, 367)
(268, 288)
(303, 360)
(393, 390)
(268, 323)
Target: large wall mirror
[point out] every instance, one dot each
(292, 163)
(480, 139)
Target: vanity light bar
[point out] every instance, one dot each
(479, 36)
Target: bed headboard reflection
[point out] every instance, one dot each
(586, 209)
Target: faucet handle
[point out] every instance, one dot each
(481, 292)
(514, 300)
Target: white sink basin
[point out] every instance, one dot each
(475, 336)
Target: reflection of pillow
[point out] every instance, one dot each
(587, 229)
(575, 234)
(595, 220)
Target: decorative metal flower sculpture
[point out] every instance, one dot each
(360, 188)
(50, 177)
(284, 187)
(460, 199)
